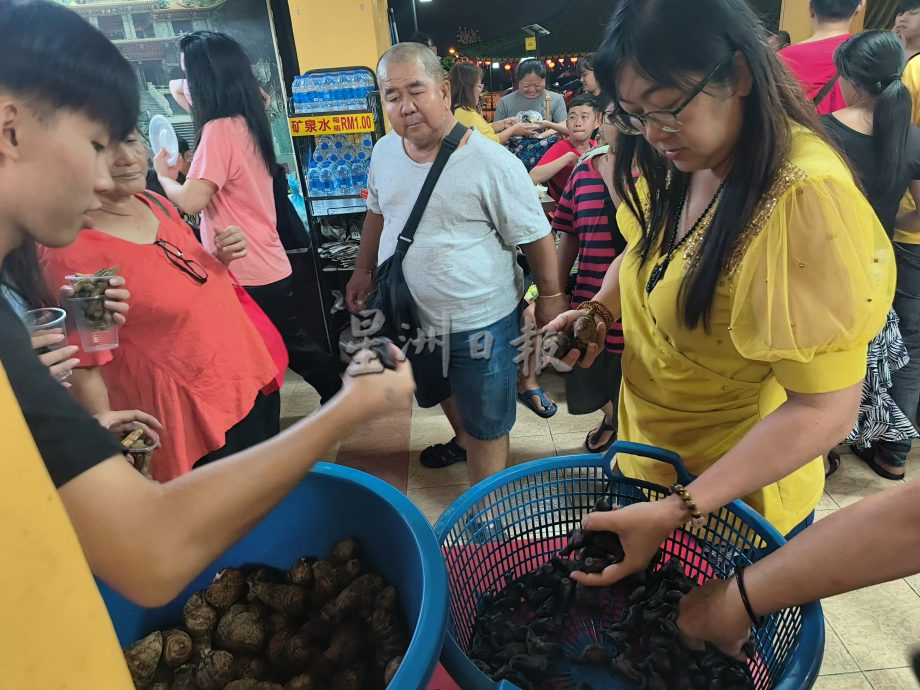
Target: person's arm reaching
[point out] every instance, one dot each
(193, 196)
(178, 92)
(541, 255)
(88, 389)
(149, 540)
(875, 540)
(544, 172)
(567, 252)
(362, 280)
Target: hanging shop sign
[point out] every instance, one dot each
(312, 125)
(530, 43)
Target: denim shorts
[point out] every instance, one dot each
(481, 376)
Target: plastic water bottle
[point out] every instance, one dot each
(326, 180)
(308, 91)
(314, 183)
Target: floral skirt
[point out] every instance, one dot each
(530, 150)
(880, 419)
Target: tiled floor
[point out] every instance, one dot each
(870, 634)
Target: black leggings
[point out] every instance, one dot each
(262, 422)
(308, 358)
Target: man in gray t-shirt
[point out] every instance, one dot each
(461, 268)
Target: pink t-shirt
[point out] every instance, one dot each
(812, 63)
(227, 157)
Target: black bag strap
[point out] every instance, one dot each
(825, 90)
(448, 146)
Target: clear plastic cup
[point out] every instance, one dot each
(141, 452)
(94, 322)
(46, 321)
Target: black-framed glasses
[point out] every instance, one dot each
(664, 120)
(189, 267)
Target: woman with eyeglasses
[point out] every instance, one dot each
(188, 354)
(755, 275)
(230, 183)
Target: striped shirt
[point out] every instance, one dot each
(585, 208)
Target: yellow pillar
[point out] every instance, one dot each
(796, 19)
(339, 33)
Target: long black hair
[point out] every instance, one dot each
(530, 66)
(674, 43)
(872, 61)
(221, 83)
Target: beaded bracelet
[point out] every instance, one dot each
(696, 517)
(756, 620)
(597, 308)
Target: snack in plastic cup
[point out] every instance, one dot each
(43, 321)
(95, 323)
(140, 450)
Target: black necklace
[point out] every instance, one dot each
(673, 245)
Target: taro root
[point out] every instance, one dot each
(392, 667)
(298, 653)
(357, 596)
(557, 345)
(305, 681)
(346, 573)
(250, 684)
(388, 633)
(346, 550)
(143, 656)
(215, 671)
(289, 600)
(254, 668)
(184, 678)
(240, 630)
(324, 581)
(317, 631)
(199, 617)
(346, 646)
(177, 647)
(276, 651)
(226, 589)
(352, 678)
(387, 600)
(275, 623)
(301, 573)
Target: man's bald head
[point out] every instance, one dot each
(403, 53)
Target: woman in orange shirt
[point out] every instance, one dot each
(189, 354)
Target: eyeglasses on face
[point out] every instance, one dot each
(664, 120)
(189, 267)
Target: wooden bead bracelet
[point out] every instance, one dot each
(696, 517)
(597, 308)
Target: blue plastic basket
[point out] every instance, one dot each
(333, 503)
(536, 505)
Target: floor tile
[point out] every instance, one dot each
(531, 448)
(565, 423)
(378, 446)
(836, 657)
(528, 424)
(914, 581)
(421, 477)
(826, 503)
(854, 481)
(821, 514)
(570, 444)
(433, 501)
(304, 401)
(879, 625)
(893, 679)
(845, 681)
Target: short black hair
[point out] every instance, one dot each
(907, 6)
(585, 99)
(531, 66)
(183, 145)
(423, 38)
(835, 9)
(58, 61)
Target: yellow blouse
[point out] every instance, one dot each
(470, 118)
(808, 286)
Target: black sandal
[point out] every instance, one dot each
(833, 463)
(597, 433)
(867, 455)
(442, 455)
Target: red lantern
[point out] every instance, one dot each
(507, 67)
(574, 60)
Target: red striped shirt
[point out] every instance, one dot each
(585, 208)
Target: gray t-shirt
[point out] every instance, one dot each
(462, 264)
(515, 102)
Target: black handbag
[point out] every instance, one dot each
(391, 296)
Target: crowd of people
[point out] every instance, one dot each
(738, 222)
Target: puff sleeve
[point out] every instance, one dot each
(814, 286)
